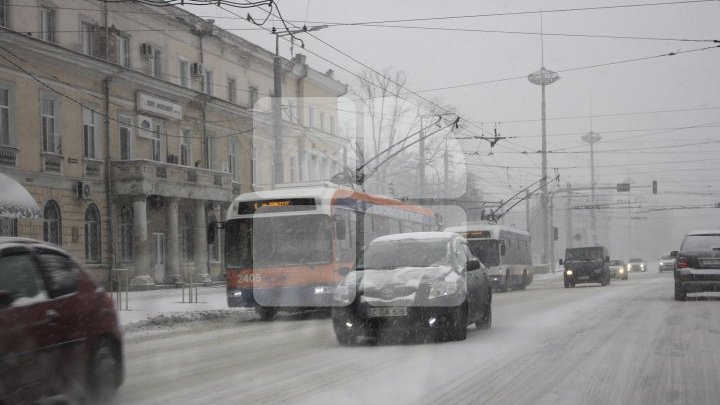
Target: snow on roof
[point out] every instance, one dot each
(705, 232)
(415, 236)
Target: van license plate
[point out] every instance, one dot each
(378, 312)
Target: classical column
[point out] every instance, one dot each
(172, 261)
(201, 247)
(142, 246)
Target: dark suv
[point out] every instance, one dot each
(427, 283)
(586, 265)
(697, 264)
(59, 332)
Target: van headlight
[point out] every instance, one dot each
(342, 294)
(569, 272)
(442, 288)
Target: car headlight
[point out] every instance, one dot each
(343, 294)
(442, 288)
(569, 272)
(621, 270)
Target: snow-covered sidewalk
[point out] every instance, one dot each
(144, 305)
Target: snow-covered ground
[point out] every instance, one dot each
(626, 343)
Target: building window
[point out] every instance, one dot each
(185, 142)
(311, 117)
(52, 223)
(122, 46)
(154, 63)
(209, 84)
(252, 96)
(3, 13)
(88, 38)
(322, 121)
(92, 234)
(232, 90)
(6, 138)
(232, 158)
(184, 72)
(126, 233)
(332, 125)
(158, 133)
(47, 24)
(186, 232)
(50, 139)
(125, 137)
(314, 166)
(89, 133)
(8, 226)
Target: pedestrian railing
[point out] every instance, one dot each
(119, 282)
(190, 286)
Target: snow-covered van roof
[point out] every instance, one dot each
(706, 232)
(416, 236)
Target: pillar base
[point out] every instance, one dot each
(142, 283)
(205, 279)
(175, 279)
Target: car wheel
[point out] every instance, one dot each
(523, 282)
(485, 321)
(458, 330)
(680, 293)
(265, 313)
(105, 373)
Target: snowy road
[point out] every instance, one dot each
(629, 343)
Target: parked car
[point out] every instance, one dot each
(589, 264)
(697, 267)
(618, 269)
(666, 263)
(427, 283)
(59, 331)
(637, 264)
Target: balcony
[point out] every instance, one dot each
(93, 168)
(52, 162)
(8, 155)
(147, 177)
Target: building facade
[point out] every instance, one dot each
(133, 127)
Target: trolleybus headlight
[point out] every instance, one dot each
(237, 293)
(323, 290)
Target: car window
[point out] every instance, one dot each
(19, 277)
(461, 256)
(60, 274)
(701, 243)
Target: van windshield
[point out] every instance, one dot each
(584, 254)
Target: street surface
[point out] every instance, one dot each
(629, 343)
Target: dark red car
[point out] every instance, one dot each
(59, 332)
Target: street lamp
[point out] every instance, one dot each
(591, 138)
(278, 170)
(542, 78)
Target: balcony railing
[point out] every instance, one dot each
(52, 162)
(8, 155)
(93, 168)
(171, 177)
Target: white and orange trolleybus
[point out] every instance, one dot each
(286, 249)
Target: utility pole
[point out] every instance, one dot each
(527, 210)
(591, 138)
(421, 174)
(568, 218)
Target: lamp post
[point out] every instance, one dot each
(591, 138)
(278, 166)
(542, 78)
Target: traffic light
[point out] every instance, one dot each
(654, 186)
(555, 233)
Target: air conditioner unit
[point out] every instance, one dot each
(83, 190)
(197, 69)
(147, 50)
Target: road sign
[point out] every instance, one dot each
(623, 187)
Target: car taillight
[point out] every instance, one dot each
(682, 264)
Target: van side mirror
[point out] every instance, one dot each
(340, 231)
(502, 248)
(473, 264)
(674, 253)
